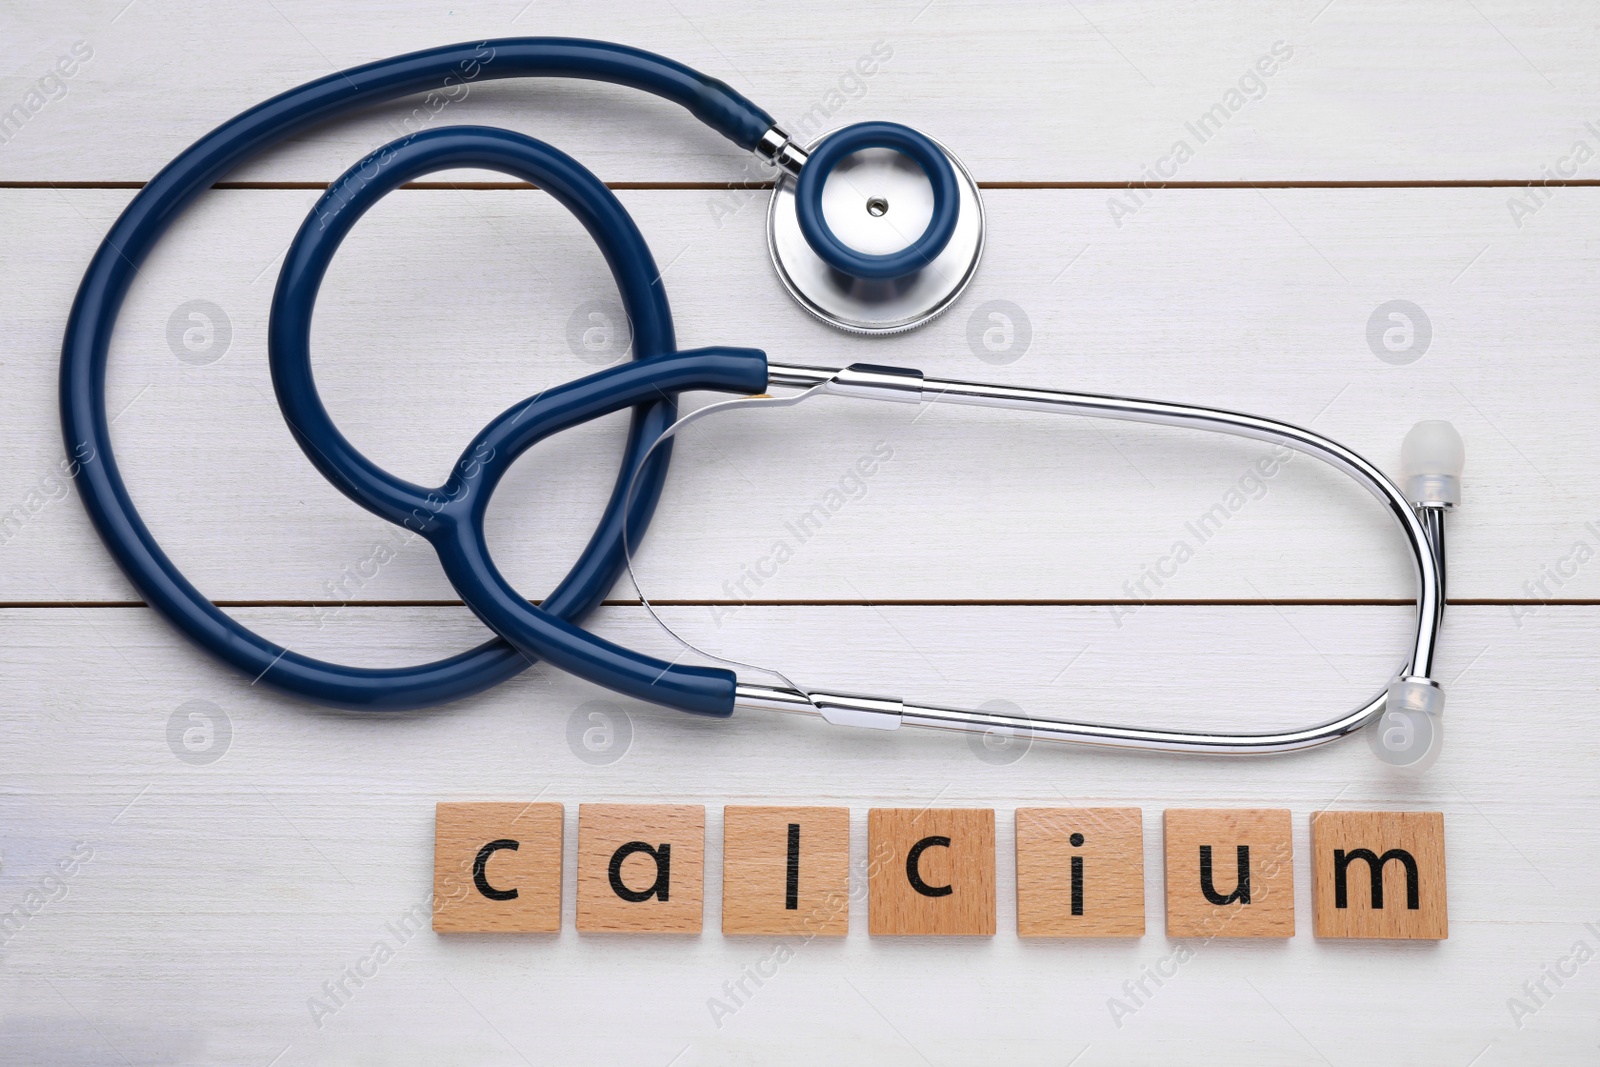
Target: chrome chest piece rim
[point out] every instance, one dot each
(868, 198)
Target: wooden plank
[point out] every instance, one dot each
(1022, 91)
(445, 307)
(308, 839)
(1178, 667)
(1193, 667)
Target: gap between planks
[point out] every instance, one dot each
(1312, 602)
(1443, 183)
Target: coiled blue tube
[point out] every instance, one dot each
(105, 284)
(452, 516)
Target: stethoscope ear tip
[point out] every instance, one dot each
(1408, 733)
(1432, 457)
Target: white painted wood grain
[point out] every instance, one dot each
(220, 897)
(1021, 91)
(445, 306)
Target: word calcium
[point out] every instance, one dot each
(1079, 873)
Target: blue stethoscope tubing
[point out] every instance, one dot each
(451, 516)
(648, 384)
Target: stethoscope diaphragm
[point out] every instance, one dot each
(882, 204)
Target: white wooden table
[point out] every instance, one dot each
(988, 560)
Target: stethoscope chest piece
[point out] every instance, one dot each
(875, 228)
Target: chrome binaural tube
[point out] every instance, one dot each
(1421, 524)
(850, 710)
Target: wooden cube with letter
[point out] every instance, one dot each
(1230, 872)
(497, 868)
(930, 871)
(641, 868)
(1379, 874)
(1080, 872)
(786, 871)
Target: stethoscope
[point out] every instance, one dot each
(874, 228)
